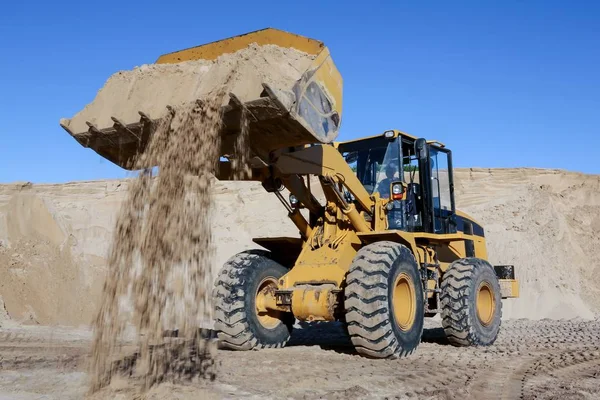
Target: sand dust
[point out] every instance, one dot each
(162, 252)
(150, 88)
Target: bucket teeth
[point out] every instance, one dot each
(235, 102)
(276, 99)
(93, 128)
(147, 127)
(123, 129)
(268, 116)
(144, 118)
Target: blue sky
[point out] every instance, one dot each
(502, 83)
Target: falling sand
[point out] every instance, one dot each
(162, 252)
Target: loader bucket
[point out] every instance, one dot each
(288, 84)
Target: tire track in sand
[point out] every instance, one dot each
(567, 366)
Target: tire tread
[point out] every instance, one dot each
(366, 301)
(231, 322)
(457, 320)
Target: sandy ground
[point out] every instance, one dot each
(531, 360)
(54, 240)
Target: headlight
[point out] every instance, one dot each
(294, 201)
(397, 191)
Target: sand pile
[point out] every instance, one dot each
(150, 88)
(53, 260)
(40, 258)
(53, 271)
(546, 223)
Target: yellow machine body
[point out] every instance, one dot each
(325, 250)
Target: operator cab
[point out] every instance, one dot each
(414, 174)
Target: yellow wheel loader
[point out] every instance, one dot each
(380, 243)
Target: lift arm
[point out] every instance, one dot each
(326, 161)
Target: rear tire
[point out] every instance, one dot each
(237, 322)
(384, 301)
(471, 303)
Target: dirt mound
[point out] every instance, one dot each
(546, 223)
(53, 271)
(52, 250)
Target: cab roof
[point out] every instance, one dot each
(396, 134)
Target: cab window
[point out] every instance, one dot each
(375, 162)
(440, 188)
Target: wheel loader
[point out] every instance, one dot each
(380, 243)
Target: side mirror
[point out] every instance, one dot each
(421, 149)
(351, 157)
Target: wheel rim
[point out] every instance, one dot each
(486, 303)
(267, 318)
(404, 301)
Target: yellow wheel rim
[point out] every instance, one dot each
(267, 318)
(486, 303)
(405, 302)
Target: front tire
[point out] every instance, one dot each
(471, 303)
(384, 301)
(238, 323)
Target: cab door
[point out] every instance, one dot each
(437, 188)
(442, 190)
